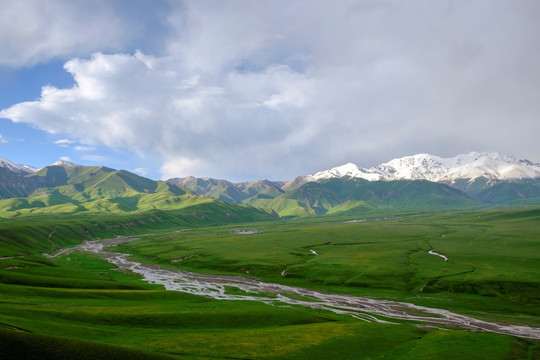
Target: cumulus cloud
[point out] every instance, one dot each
(278, 89)
(177, 166)
(145, 103)
(33, 31)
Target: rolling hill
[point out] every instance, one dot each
(349, 196)
(420, 182)
(231, 192)
(65, 188)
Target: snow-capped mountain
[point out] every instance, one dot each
(490, 166)
(17, 168)
(63, 163)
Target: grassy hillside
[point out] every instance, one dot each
(227, 191)
(70, 189)
(493, 264)
(350, 196)
(24, 345)
(87, 190)
(12, 184)
(78, 305)
(512, 193)
(49, 232)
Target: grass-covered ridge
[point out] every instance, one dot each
(49, 232)
(96, 191)
(349, 196)
(74, 189)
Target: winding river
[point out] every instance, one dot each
(217, 287)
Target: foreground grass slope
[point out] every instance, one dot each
(36, 234)
(88, 309)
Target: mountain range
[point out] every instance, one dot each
(67, 188)
(420, 182)
(486, 168)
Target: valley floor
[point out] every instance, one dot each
(77, 302)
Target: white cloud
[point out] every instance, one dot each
(141, 171)
(3, 139)
(176, 167)
(65, 158)
(33, 31)
(276, 89)
(64, 142)
(146, 103)
(28, 35)
(84, 148)
(95, 158)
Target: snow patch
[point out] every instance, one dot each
(437, 254)
(63, 163)
(18, 168)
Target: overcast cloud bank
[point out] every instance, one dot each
(278, 89)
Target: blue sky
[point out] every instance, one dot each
(247, 90)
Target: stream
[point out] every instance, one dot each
(217, 287)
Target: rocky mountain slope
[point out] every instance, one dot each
(16, 168)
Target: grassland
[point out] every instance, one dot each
(78, 304)
(493, 258)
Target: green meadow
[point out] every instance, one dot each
(77, 305)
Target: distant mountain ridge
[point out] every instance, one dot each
(492, 167)
(230, 192)
(419, 182)
(67, 188)
(355, 196)
(484, 178)
(16, 168)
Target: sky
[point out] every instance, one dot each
(245, 90)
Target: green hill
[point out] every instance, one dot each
(75, 189)
(218, 189)
(95, 190)
(349, 196)
(514, 193)
(13, 184)
(230, 192)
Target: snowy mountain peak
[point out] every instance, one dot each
(18, 168)
(490, 165)
(349, 169)
(63, 163)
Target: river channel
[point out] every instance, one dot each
(223, 287)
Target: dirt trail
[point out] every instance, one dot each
(367, 309)
(11, 257)
(63, 251)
